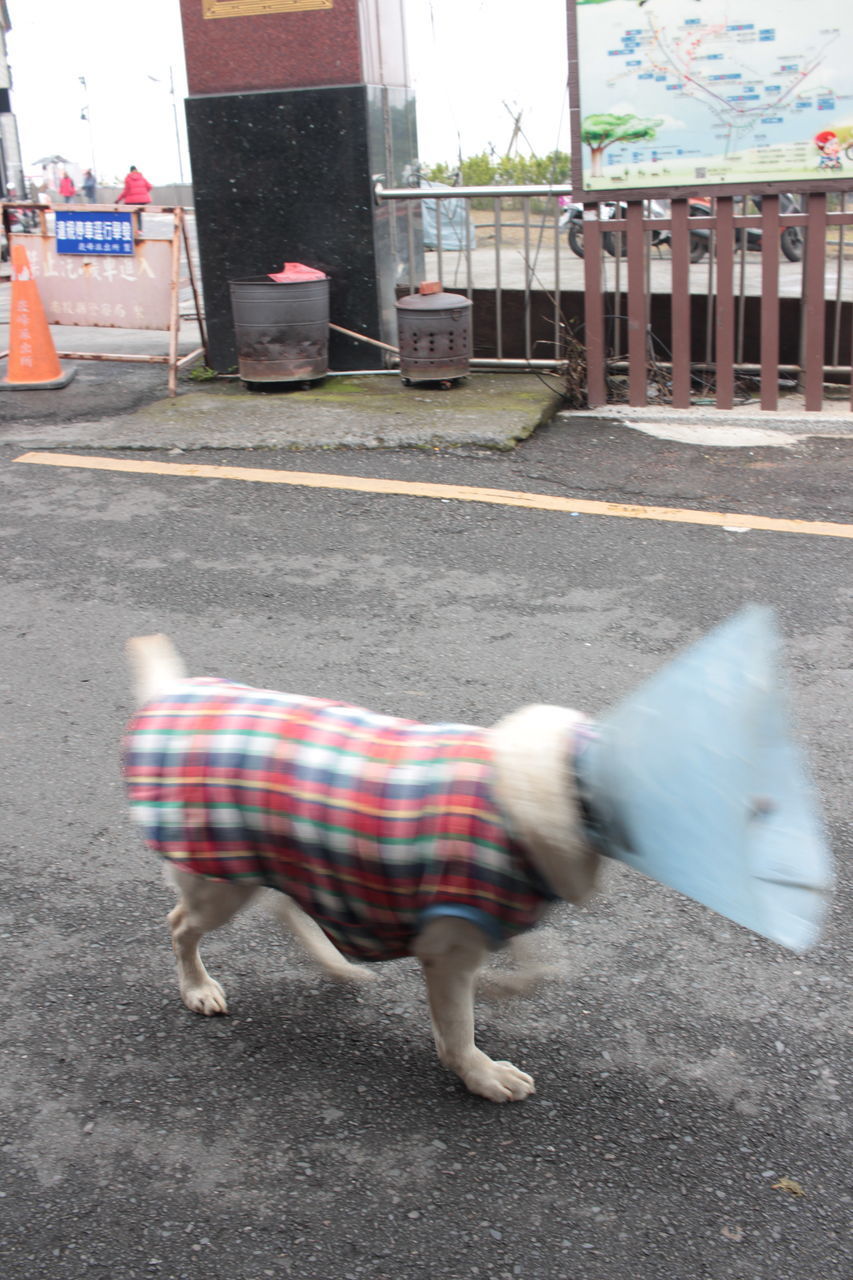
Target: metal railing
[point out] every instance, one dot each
(643, 319)
(508, 267)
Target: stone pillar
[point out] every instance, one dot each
(294, 105)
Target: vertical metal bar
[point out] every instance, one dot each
(573, 81)
(637, 362)
(469, 270)
(709, 294)
(741, 306)
(174, 302)
(680, 307)
(199, 315)
(647, 266)
(528, 347)
(724, 330)
(647, 257)
(801, 347)
(839, 286)
(839, 295)
(596, 381)
(410, 237)
(438, 248)
(647, 283)
(557, 300)
(499, 332)
(618, 314)
(770, 302)
(814, 310)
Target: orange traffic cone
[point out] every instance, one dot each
(33, 362)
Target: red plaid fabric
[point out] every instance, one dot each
(372, 824)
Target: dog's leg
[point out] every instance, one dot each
(451, 951)
(316, 943)
(527, 974)
(155, 663)
(204, 905)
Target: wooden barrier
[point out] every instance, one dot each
(96, 286)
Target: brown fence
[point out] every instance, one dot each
(710, 327)
(637, 320)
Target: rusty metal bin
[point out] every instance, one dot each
(434, 335)
(282, 329)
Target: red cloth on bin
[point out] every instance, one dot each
(293, 271)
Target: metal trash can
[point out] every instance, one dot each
(434, 335)
(282, 329)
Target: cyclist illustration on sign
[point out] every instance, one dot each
(829, 150)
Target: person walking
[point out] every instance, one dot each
(90, 186)
(136, 190)
(67, 188)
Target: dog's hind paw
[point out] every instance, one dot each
(207, 998)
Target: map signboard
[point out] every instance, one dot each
(684, 93)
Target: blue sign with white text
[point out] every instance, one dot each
(94, 233)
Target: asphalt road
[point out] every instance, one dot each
(692, 1079)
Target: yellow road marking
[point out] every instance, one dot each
(457, 493)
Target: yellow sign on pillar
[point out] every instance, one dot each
(249, 8)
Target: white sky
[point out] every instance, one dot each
(467, 57)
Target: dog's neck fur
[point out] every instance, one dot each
(536, 788)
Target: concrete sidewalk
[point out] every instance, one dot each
(125, 407)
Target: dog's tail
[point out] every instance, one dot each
(155, 663)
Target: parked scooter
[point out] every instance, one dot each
(22, 217)
(572, 219)
(17, 220)
(791, 239)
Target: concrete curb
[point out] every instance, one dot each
(835, 421)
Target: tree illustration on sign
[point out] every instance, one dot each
(601, 131)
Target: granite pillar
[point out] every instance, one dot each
(294, 106)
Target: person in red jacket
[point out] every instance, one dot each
(66, 187)
(136, 190)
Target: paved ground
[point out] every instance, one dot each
(692, 1079)
(452, 269)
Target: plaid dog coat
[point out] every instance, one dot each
(372, 824)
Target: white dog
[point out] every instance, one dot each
(384, 837)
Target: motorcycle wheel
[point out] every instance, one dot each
(698, 248)
(576, 236)
(608, 239)
(792, 241)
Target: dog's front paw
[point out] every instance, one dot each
(207, 998)
(499, 1081)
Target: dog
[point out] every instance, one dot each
(383, 837)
